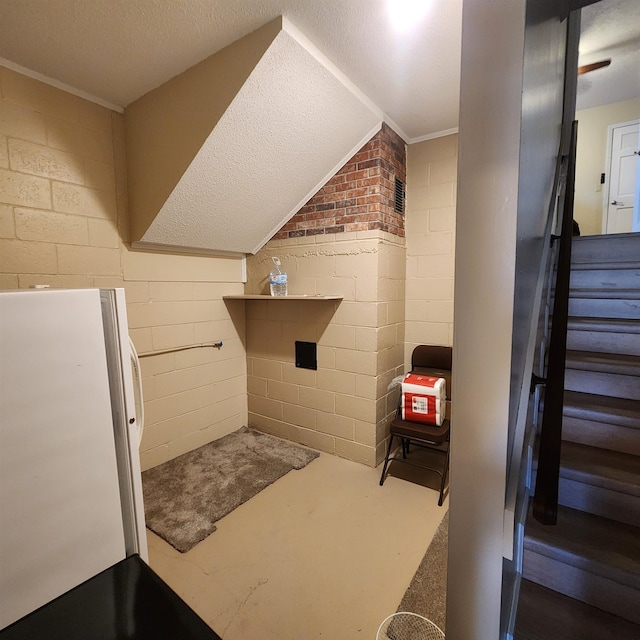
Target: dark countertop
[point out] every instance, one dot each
(128, 601)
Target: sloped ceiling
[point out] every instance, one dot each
(220, 157)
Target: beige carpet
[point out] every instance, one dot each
(427, 593)
(184, 497)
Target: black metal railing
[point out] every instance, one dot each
(545, 501)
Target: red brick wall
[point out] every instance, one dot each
(361, 196)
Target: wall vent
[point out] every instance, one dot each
(399, 196)
(306, 355)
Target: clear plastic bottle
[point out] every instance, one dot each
(277, 279)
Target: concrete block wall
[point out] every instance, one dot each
(196, 395)
(398, 293)
(430, 233)
(64, 222)
(344, 406)
(348, 241)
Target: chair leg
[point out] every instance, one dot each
(386, 460)
(444, 476)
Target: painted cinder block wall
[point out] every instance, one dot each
(346, 241)
(430, 230)
(344, 406)
(397, 293)
(64, 222)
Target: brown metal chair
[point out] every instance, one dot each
(432, 361)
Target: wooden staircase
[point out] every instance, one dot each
(582, 576)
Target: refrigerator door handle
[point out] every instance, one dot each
(135, 362)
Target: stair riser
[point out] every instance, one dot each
(609, 279)
(601, 434)
(599, 501)
(612, 249)
(604, 384)
(604, 308)
(619, 599)
(604, 416)
(604, 342)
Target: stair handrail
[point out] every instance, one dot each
(545, 501)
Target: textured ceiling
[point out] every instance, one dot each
(292, 125)
(118, 50)
(610, 29)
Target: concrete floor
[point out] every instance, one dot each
(324, 552)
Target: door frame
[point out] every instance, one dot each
(607, 172)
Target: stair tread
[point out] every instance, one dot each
(601, 546)
(605, 306)
(611, 325)
(600, 361)
(605, 265)
(544, 614)
(601, 293)
(601, 467)
(605, 249)
(619, 411)
(618, 363)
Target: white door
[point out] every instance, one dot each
(619, 209)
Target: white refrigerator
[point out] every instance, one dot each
(70, 482)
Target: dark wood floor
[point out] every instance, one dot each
(546, 615)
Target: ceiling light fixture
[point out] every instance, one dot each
(405, 14)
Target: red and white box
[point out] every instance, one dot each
(423, 399)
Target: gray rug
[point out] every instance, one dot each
(184, 497)
(427, 593)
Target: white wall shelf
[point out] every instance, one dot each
(258, 296)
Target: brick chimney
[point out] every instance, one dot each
(366, 194)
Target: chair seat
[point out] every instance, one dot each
(419, 431)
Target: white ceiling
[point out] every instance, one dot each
(117, 50)
(249, 178)
(610, 29)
